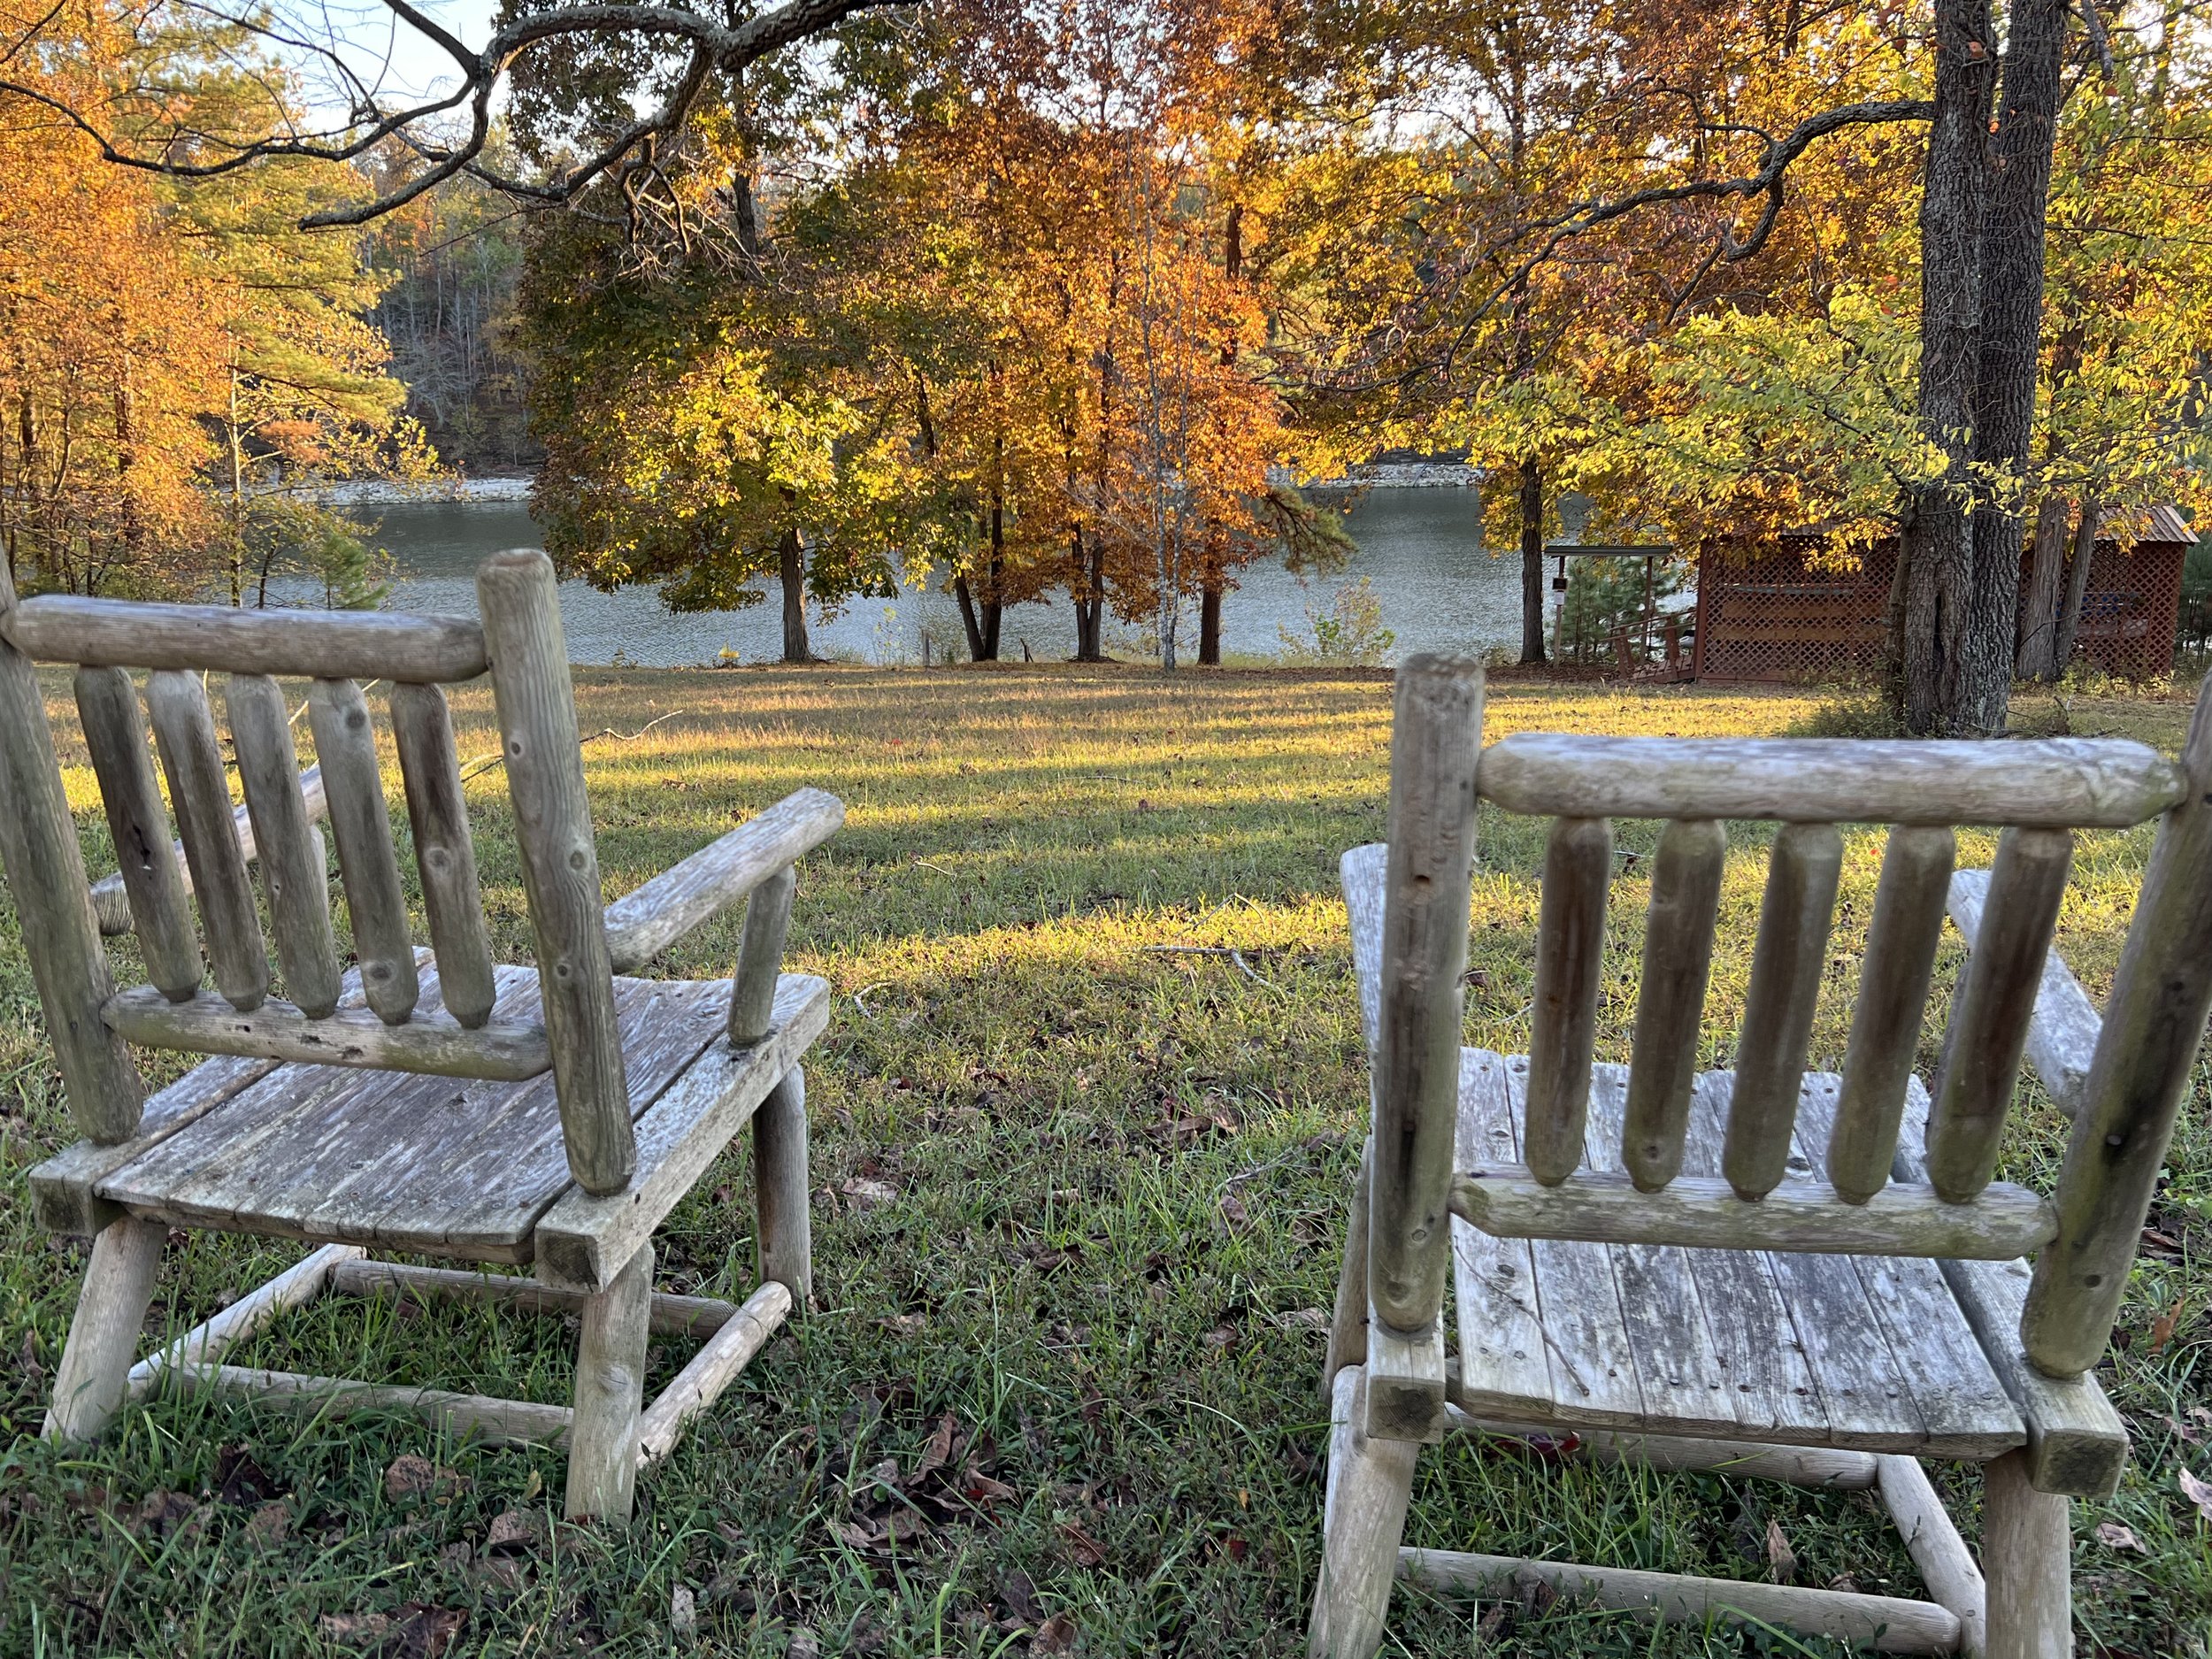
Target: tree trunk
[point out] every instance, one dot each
(1089, 592)
(967, 622)
(2010, 349)
(1209, 621)
(1938, 541)
(2077, 586)
(791, 571)
(1532, 561)
(2046, 578)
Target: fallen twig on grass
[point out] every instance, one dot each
(1230, 951)
(859, 997)
(485, 763)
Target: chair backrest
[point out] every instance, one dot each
(182, 647)
(2036, 793)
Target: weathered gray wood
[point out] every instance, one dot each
(1952, 1383)
(1682, 1377)
(2062, 1031)
(1363, 1516)
(1678, 961)
(646, 921)
(396, 1281)
(115, 732)
(2004, 1221)
(602, 1447)
(711, 1370)
(45, 866)
(345, 743)
(2154, 1021)
(1788, 962)
(1504, 1354)
(62, 1196)
(1946, 1567)
(2077, 1444)
(93, 1379)
(1436, 738)
(430, 769)
(583, 1240)
(2027, 1557)
(560, 864)
(1886, 1624)
(463, 1416)
(1750, 1322)
(1570, 972)
(207, 1342)
(1363, 872)
(199, 793)
(783, 1215)
(291, 858)
(1893, 979)
(111, 902)
(1348, 1318)
(432, 1042)
(1406, 1384)
(2051, 783)
(1816, 1467)
(302, 644)
(317, 1152)
(760, 956)
(1990, 1014)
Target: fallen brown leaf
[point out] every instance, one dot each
(1057, 1634)
(239, 1479)
(2196, 1491)
(409, 1476)
(513, 1533)
(2112, 1535)
(1780, 1557)
(270, 1522)
(862, 1194)
(2163, 1326)
(1086, 1550)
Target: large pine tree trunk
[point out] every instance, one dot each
(1532, 561)
(1939, 543)
(791, 571)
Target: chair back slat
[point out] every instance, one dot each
(1787, 964)
(1894, 980)
(1992, 1011)
(184, 729)
(2154, 1021)
(1685, 880)
(760, 957)
(115, 734)
(445, 855)
(361, 826)
(520, 604)
(289, 853)
(1569, 975)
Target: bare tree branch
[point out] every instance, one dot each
(709, 48)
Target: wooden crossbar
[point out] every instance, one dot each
(646, 921)
(2050, 783)
(432, 1042)
(300, 644)
(1810, 1216)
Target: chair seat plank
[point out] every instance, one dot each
(462, 1169)
(1958, 1392)
(1579, 1303)
(1680, 1375)
(1504, 1358)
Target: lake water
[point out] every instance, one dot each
(1420, 549)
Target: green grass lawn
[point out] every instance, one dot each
(1079, 1201)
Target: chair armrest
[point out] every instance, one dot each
(2062, 1031)
(642, 923)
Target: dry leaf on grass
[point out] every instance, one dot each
(409, 1476)
(2163, 1326)
(1057, 1634)
(2112, 1535)
(1780, 1557)
(513, 1533)
(1086, 1550)
(2196, 1491)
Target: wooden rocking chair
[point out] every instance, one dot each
(425, 1102)
(1755, 1270)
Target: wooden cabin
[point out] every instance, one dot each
(1766, 612)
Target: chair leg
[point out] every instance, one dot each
(1347, 1326)
(2027, 1559)
(779, 1188)
(602, 1445)
(1364, 1517)
(95, 1365)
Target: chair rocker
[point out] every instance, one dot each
(1771, 1272)
(427, 1102)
